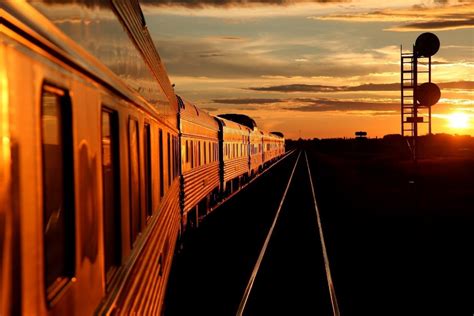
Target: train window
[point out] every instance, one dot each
(169, 159)
(176, 157)
(171, 162)
(148, 183)
(205, 152)
(111, 189)
(173, 141)
(58, 189)
(199, 154)
(134, 174)
(192, 154)
(210, 152)
(162, 182)
(187, 152)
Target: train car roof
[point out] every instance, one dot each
(190, 112)
(279, 134)
(232, 124)
(241, 119)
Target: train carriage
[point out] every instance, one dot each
(279, 143)
(255, 148)
(100, 161)
(199, 139)
(234, 147)
(256, 151)
(272, 146)
(90, 157)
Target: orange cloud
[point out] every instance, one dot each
(417, 18)
(228, 3)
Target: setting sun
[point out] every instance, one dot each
(458, 120)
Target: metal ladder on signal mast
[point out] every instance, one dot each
(407, 90)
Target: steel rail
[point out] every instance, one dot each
(332, 291)
(248, 289)
(251, 181)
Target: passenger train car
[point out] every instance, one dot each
(200, 184)
(102, 166)
(234, 153)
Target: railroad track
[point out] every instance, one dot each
(317, 255)
(245, 185)
(230, 262)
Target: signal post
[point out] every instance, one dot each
(416, 97)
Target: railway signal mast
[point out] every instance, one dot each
(415, 98)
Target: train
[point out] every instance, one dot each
(103, 168)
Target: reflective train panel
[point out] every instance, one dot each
(200, 182)
(94, 214)
(102, 166)
(234, 139)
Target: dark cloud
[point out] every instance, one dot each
(465, 85)
(434, 62)
(298, 88)
(229, 3)
(209, 109)
(194, 4)
(323, 88)
(247, 101)
(314, 104)
(438, 25)
(324, 105)
(231, 38)
(207, 55)
(444, 15)
(375, 87)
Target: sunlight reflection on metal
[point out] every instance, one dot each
(332, 291)
(5, 184)
(248, 289)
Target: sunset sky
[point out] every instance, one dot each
(315, 69)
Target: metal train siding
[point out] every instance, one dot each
(97, 173)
